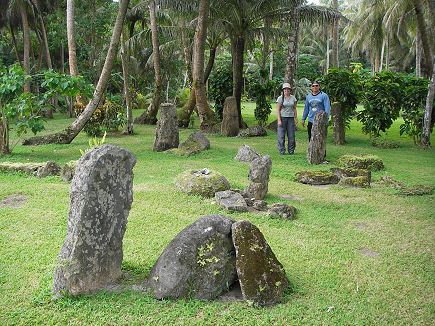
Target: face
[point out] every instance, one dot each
(315, 88)
(286, 91)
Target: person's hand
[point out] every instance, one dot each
(296, 121)
(303, 123)
(279, 123)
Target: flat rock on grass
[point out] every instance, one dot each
(21, 167)
(199, 262)
(14, 200)
(203, 182)
(231, 201)
(282, 210)
(317, 177)
(367, 162)
(356, 182)
(350, 173)
(262, 277)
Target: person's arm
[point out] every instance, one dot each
(295, 111)
(305, 114)
(327, 104)
(278, 113)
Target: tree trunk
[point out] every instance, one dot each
(335, 52)
(44, 35)
(291, 63)
(129, 127)
(387, 55)
(417, 55)
(185, 113)
(237, 51)
(338, 123)
(4, 135)
(328, 39)
(186, 51)
(210, 63)
(67, 135)
(381, 60)
(26, 46)
(427, 124)
(14, 41)
(150, 115)
(424, 33)
(271, 65)
(73, 69)
(266, 45)
(206, 116)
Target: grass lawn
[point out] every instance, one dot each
(353, 256)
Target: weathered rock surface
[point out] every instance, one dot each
(338, 125)
(262, 277)
(317, 147)
(259, 205)
(356, 182)
(30, 168)
(203, 182)
(255, 131)
(199, 262)
(231, 201)
(246, 154)
(167, 129)
(350, 173)
(101, 197)
(317, 177)
(260, 169)
(257, 190)
(281, 210)
(68, 171)
(195, 143)
(50, 168)
(367, 162)
(230, 121)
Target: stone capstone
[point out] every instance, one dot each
(350, 173)
(367, 162)
(317, 177)
(167, 129)
(100, 200)
(198, 263)
(50, 168)
(231, 201)
(262, 277)
(203, 182)
(255, 131)
(230, 120)
(356, 182)
(246, 154)
(316, 151)
(281, 210)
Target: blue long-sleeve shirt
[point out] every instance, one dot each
(315, 103)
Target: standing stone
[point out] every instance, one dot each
(230, 118)
(101, 196)
(199, 262)
(259, 177)
(167, 129)
(50, 168)
(246, 154)
(338, 126)
(317, 148)
(262, 277)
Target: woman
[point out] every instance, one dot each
(287, 120)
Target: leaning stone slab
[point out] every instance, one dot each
(281, 210)
(199, 262)
(260, 169)
(167, 129)
(316, 151)
(246, 154)
(203, 182)
(356, 182)
(368, 162)
(350, 173)
(255, 131)
(231, 201)
(30, 168)
(195, 143)
(317, 177)
(50, 168)
(101, 195)
(262, 277)
(257, 190)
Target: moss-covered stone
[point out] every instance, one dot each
(417, 190)
(368, 162)
(349, 172)
(316, 177)
(30, 168)
(357, 182)
(68, 171)
(203, 182)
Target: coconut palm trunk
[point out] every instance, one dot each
(237, 51)
(72, 57)
(26, 44)
(129, 127)
(66, 136)
(335, 57)
(292, 49)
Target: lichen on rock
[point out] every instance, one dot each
(203, 182)
(316, 177)
(367, 161)
(357, 182)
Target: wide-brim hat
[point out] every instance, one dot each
(286, 85)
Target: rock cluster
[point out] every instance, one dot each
(343, 176)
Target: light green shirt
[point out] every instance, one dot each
(287, 106)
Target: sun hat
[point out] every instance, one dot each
(286, 85)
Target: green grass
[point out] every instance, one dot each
(321, 250)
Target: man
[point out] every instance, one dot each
(315, 102)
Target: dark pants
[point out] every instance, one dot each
(309, 126)
(287, 127)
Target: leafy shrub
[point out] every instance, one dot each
(382, 99)
(381, 142)
(263, 107)
(220, 87)
(342, 86)
(414, 105)
(308, 68)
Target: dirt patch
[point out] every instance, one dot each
(368, 252)
(234, 294)
(14, 200)
(287, 197)
(320, 186)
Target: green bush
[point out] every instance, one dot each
(220, 87)
(262, 100)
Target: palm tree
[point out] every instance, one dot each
(67, 135)
(72, 56)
